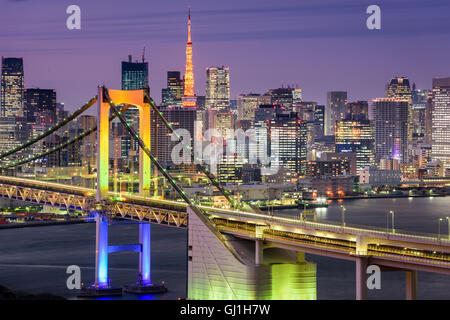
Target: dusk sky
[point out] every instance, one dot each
(320, 45)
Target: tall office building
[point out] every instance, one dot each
(12, 87)
(40, 107)
(40, 113)
(335, 110)
(218, 88)
(134, 75)
(441, 121)
(419, 110)
(171, 96)
(391, 129)
(189, 99)
(288, 141)
(356, 136)
(263, 114)
(180, 118)
(399, 88)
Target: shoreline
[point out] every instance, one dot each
(39, 224)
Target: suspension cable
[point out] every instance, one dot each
(198, 212)
(60, 146)
(52, 129)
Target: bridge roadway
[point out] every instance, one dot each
(388, 248)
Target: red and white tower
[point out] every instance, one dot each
(189, 99)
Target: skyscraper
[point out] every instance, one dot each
(356, 136)
(391, 129)
(134, 75)
(400, 88)
(335, 110)
(419, 113)
(288, 141)
(189, 99)
(218, 88)
(180, 118)
(441, 121)
(171, 96)
(12, 87)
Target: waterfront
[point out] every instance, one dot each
(35, 259)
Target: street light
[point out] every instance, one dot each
(392, 221)
(343, 215)
(439, 228)
(448, 224)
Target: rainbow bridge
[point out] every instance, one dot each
(233, 253)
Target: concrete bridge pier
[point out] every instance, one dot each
(361, 275)
(411, 284)
(259, 252)
(144, 283)
(101, 286)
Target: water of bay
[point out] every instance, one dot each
(35, 259)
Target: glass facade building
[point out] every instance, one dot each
(12, 87)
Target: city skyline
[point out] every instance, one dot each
(302, 60)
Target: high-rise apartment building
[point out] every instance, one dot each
(441, 121)
(218, 88)
(391, 128)
(335, 110)
(12, 88)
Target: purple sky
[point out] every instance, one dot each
(320, 45)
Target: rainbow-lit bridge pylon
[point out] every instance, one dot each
(101, 286)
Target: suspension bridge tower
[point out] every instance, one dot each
(101, 286)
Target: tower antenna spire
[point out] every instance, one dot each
(189, 99)
(189, 24)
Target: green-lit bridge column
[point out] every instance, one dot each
(102, 146)
(121, 97)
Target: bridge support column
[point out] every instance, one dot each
(144, 283)
(411, 284)
(259, 252)
(144, 255)
(361, 275)
(101, 251)
(101, 286)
